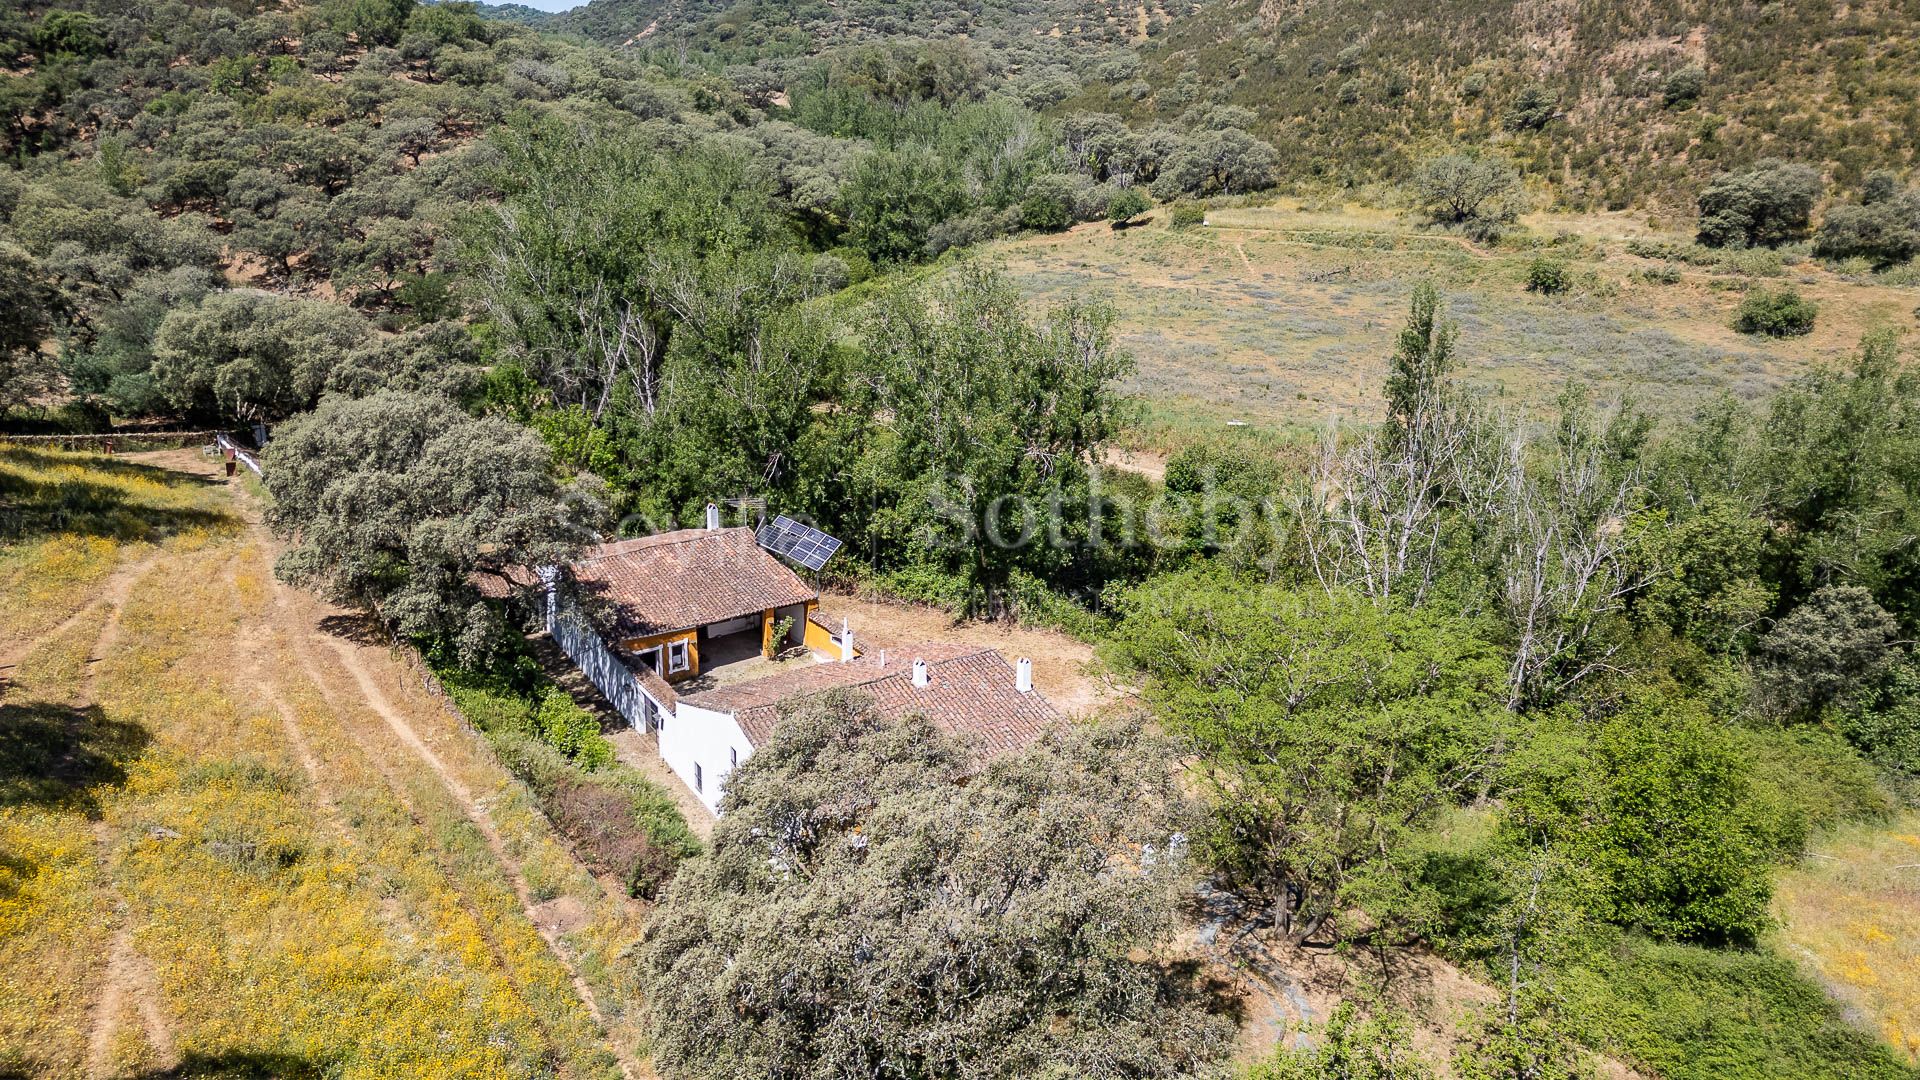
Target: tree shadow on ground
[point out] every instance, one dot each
(57, 756)
(31, 457)
(30, 508)
(359, 628)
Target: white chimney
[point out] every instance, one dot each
(1023, 676)
(920, 673)
(713, 516)
(846, 642)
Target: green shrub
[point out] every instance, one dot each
(1048, 206)
(1378, 1046)
(1688, 1013)
(1764, 205)
(1548, 276)
(1533, 108)
(1885, 725)
(1781, 313)
(1664, 274)
(571, 729)
(1130, 203)
(1807, 779)
(1684, 86)
(1186, 214)
(487, 702)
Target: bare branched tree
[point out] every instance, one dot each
(1563, 545)
(1385, 511)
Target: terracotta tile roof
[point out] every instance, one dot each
(970, 692)
(652, 683)
(687, 578)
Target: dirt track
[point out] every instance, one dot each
(298, 649)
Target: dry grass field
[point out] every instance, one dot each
(1283, 315)
(1851, 912)
(237, 840)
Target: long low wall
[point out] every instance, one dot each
(602, 667)
(121, 440)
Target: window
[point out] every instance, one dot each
(735, 755)
(677, 656)
(698, 780)
(650, 657)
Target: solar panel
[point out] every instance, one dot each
(803, 544)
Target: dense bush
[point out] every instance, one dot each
(1684, 86)
(1883, 227)
(1775, 313)
(1656, 802)
(1766, 205)
(1187, 215)
(1885, 723)
(1128, 204)
(1548, 276)
(1689, 1013)
(570, 729)
(1533, 108)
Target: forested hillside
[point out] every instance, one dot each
(1615, 104)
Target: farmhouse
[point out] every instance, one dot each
(681, 601)
(679, 631)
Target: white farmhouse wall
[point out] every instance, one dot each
(734, 626)
(707, 738)
(602, 667)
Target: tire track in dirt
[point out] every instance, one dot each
(478, 814)
(301, 641)
(113, 592)
(128, 974)
(293, 642)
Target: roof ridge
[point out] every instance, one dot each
(657, 540)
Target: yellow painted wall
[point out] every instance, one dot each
(821, 639)
(691, 637)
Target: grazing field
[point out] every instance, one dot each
(1283, 316)
(237, 840)
(1851, 912)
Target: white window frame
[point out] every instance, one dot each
(659, 658)
(679, 657)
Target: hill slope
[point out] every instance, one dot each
(1635, 101)
(1615, 103)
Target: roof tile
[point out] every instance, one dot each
(970, 692)
(687, 578)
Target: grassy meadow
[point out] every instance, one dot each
(1851, 912)
(1284, 315)
(220, 858)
